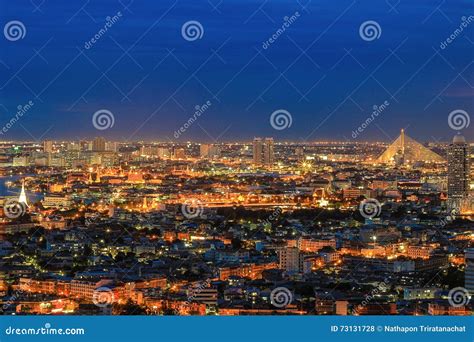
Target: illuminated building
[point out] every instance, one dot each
(263, 153)
(85, 289)
(154, 151)
(179, 153)
(209, 151)
(48, 146)
(311, 245)
(245, 270)
(293, 225)
(436, 309)
(20, 161)
(469, 272)
(471, 146)
(111, 146)
(98, 144)
(290, 259)
(354, 193)
(377, 309)
(206, 296)
(56, 201)
(420, 293)
(299, 152)
(423, 252)
(341, 307)
(458, 172)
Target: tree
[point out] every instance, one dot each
(131, 309)
(236, 243)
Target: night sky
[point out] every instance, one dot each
(319, 69)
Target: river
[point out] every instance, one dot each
(6, 191)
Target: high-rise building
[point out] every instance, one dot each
(111, 146)
(263, 151)
(471, 148)
(257, 150)
(73, 146)
(85, 146)
(290, 259)
(469, 272)
(20, 161)
(98, 144)
(209, 151)
(204, 150)
(48, 146)
(458, 172)
(299, 152)
(163, 152)
(179, 153)
(154, 151)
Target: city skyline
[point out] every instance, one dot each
(224, 141)
(234, 229)
(237, 158)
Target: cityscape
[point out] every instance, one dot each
(259, 228)
(236, 158)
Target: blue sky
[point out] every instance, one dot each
(320, 70)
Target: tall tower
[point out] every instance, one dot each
(98, 144)
(469, 272)
(458, 172)
(204, 150)
(268, 155)
(263, 151)
(22, 198)
(299, 152)
(48, 146)
(257, 150)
